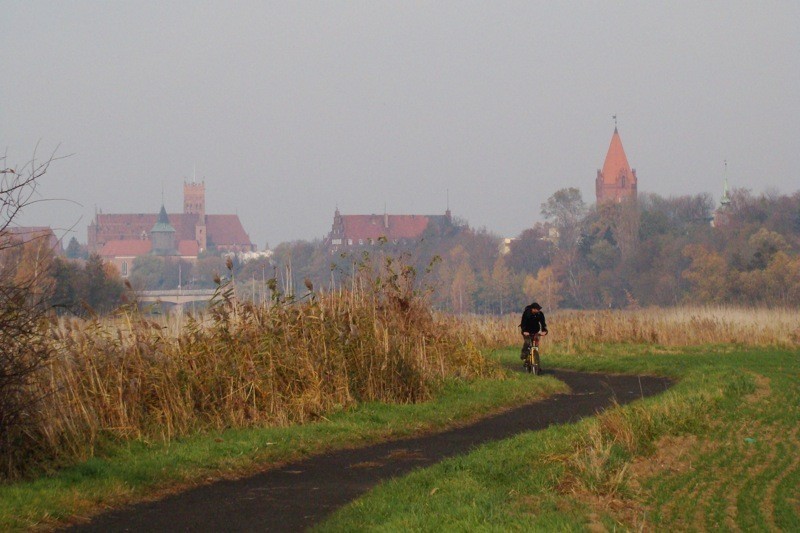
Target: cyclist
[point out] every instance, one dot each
(532, 323)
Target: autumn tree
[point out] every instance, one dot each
(565, 209)
(707, 274)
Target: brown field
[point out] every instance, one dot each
(576, 331)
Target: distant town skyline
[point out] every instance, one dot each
(290, 110)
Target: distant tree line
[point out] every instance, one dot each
(655, 251)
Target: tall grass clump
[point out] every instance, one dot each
(244, 365)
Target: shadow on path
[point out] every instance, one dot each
(301, 494)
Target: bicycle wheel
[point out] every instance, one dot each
(537, 369)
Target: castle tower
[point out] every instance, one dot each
(617, 181)
(163, 235)
(194, 203)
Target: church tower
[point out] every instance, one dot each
(163, 235)
(194, 203)
(617, 181)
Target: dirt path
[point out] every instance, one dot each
(299, 495)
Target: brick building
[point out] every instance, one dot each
(616, 181)
(353, 231)
(213, 233)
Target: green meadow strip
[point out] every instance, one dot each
(139, 470)
(719, 449)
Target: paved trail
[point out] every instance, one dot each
(301, 494)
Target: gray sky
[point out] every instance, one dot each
(289, 109)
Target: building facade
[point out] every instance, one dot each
(354, 231)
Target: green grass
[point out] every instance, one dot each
(140, 470)
(719, 450)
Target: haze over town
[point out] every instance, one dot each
(288, 110)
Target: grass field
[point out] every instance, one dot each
(719, 450)
(141, 470)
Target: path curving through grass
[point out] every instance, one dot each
(299, 495)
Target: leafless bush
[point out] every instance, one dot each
(23, 323)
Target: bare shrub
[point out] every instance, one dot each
(23, 323)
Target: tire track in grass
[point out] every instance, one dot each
(769, 496)
(299, 495)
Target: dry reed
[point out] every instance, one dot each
(243, 365)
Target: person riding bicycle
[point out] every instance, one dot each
(532, 322)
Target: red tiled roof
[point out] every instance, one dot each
(616, 161)
(138, 247)
(225, 229)
(374, 226)
(125, 248)
(221, 230)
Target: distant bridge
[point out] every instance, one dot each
(176, 298)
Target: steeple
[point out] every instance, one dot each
(616, 162)
(616, 181)
(726, 199)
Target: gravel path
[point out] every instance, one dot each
(301, 494)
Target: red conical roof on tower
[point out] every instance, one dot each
(617, 181)
(616, 160)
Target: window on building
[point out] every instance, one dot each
(124, 269)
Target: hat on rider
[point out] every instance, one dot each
(536, 306)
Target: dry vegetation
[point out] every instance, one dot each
(243, 365)
(576, 331)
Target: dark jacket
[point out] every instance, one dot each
(532, 321)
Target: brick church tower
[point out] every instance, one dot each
(194, 203)
(617, 181)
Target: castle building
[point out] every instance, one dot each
(616, 181)
(161, 242)
(214, 233)
(353, 231)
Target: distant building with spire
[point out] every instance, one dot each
(617, 180)
(121, 238)
(212, 233)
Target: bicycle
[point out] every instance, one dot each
(531, 347)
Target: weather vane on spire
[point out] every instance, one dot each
(614, 116)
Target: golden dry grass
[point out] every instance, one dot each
(575, 331)
(242, 365)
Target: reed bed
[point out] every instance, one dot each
(241, 365)
(576, 331)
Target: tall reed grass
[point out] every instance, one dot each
(243, 365)
(576, 331)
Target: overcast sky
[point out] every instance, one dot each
(288, 109)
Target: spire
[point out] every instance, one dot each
(616, 161)
(726, 199)
(162, 224)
